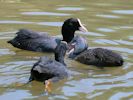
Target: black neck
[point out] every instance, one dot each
(60, 52)
(67, 33)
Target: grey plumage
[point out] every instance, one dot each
(34, 41)
(47, 68)
(100, 57)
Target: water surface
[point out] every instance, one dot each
(110, 25)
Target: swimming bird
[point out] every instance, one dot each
(42, 42)
(100, 57)
(94, 56)
(48, 70)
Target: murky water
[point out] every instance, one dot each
(110, 25)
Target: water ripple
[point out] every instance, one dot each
(20, 63)
(14, 22)
(6, 52)
(105, 30)
(51, 23)
(122, 27)
(13, 72)
(120, 95)
(130, 12)
(45, 13)
(120, 49)
(70, 8)
(91, 96)
(124, 42)
(105, 41)
(90, 85)
(114, 42)
(16, 95)
(127, 50)
(130, 37)
(92, 33)
(107, 16)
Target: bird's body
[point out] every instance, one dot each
(34, 41)
(80, 45)
(47, 68)
(100, 57)
(42, 42)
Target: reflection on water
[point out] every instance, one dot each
(105, 41)
(124, 42)
(44, 13)
(5, 52)
(130, 12)
(10, 72)
(110, 26)
(51, 23)
(70, 8)
(14, 22)
(16, 95)
(92, 34)
(107, 16)
(121, 95)
(105, 30)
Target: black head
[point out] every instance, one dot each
(60, 51)
(69, 27)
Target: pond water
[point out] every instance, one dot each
(110, 25)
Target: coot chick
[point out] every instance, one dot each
(42, 42)
(49, 70)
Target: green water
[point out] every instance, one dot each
(110, 25)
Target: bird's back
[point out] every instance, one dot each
(49, 68)
(100, 57)
(34, 41)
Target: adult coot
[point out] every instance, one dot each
(100, 57)
(49, 70)
(94, 56)
(42, 42)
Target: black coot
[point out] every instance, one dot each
(94, 56)
(49, 70)
(42, 42)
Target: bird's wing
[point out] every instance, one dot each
(31, 34)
